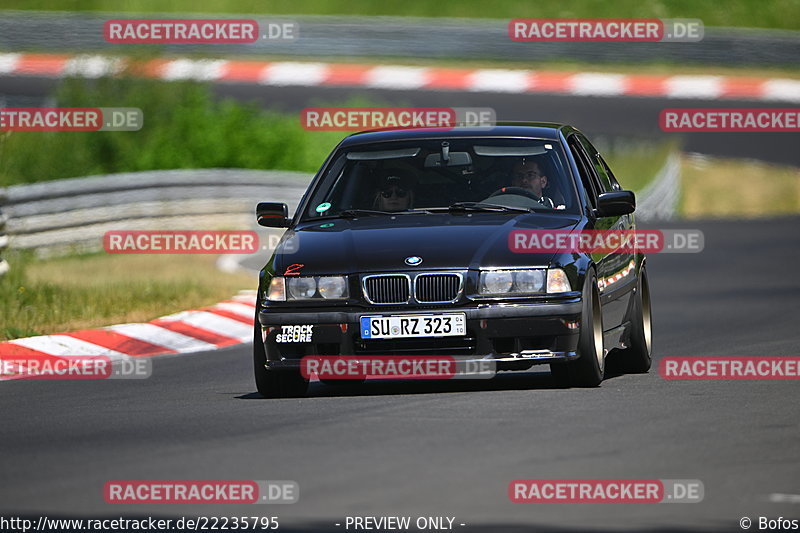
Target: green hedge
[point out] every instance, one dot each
(184, 127)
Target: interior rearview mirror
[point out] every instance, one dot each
(454, 159)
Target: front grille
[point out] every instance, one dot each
(437, 288)
(388, 289)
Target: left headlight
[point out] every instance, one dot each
(513, 282)
(307, 288)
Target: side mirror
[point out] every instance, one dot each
(615, 204)
(272, 215)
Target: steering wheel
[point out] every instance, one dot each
(519, 191)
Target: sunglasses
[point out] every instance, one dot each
(400, 193)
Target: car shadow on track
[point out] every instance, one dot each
(539, 379)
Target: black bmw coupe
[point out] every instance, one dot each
(401, 246)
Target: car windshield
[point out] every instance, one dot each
(499, 175)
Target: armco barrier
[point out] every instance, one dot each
(73, 214)
(659, 199)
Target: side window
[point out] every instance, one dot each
(600, 167)
(614, 183)
(584, 168)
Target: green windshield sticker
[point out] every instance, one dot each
(324, 206)
(329, 225)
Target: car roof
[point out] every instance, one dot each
(534, 130)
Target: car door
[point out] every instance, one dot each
(614, 269)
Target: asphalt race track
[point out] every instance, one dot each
(451, 449)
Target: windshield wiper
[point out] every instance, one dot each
(481, 206)
(353, 213)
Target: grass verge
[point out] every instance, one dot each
(718, 188)
(635, 164)
(39, 297)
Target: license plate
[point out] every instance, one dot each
(410, 326)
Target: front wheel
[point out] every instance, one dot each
(342, 382)
(588, 369)
(283, 383)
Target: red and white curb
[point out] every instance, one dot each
(227, 323)
(308, 74)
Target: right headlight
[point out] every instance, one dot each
(282, 289)
(302, 288)
(331, 287)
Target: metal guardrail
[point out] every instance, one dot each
(73, 214)
(443, 38)
(659, 199)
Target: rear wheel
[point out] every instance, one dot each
(588, 369)
(274, 383)
(637, 358)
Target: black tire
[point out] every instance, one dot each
(637, 358)
(283, 383)
(588, 369)
(342, 382)
(561, 374)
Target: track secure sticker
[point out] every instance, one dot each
(324, 206)
(295, 334)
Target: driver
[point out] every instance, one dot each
(395, 191)
(527, 175)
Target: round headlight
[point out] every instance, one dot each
(497, 282)
(302, 287)
(529, 281)
(332, 286)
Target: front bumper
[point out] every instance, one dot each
(515, 336)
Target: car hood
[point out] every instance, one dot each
(381, 244)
